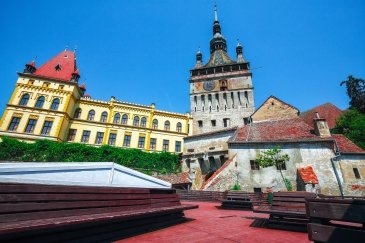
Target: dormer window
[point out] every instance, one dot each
(57, 67)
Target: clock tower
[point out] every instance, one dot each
(221, 91)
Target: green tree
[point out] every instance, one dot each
(351, 123)
(274, 157)
(355, 88)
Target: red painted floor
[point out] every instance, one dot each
(213, 225)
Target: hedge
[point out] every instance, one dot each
(49, 151)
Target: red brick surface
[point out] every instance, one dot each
(345, 145)
(307, 174)
(328, 111)
(212, 225)
(276, 130)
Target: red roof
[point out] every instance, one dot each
(307, 174)
(346, 145)
(275, 130)
(60, 67)
(181, 178)
(327, 111)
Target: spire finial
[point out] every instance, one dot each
(215, 12)
(66, 47)
(75, 48)
(238, 42)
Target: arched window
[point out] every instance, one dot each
(55, 104)
(104, 116)
(167, 126)
(91, 115)
(154, 124)
(178, 127)
(116, 118)
(143, 122)
(77, 114)
(24, 100)
(125, 119)
(40, 102)
(136, 121)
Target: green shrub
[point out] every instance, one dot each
(236, 187)
(49, 151)
(288, 185)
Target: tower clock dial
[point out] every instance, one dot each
(209, 85)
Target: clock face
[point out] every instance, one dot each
(209, 85)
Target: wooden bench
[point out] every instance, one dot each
(54, 213)
(287, 211)
(336, 220)
(237, 200)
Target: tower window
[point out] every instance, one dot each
(14, 124)
(112, 138)
(213, 123)
(141, 141)
(104, 116)
(167, 126)
(99, 137)
(200, 123)
(136, 121)
(77, 114)
(153, 143)
(154, 124)
(71, 135)
(24, 100)
(31, 125)
(143, 122)
(47, 126)
(178, 146)
(165, 145)
(40, 102)
(356, 172)
(91, 115)
(85, 136)
(55, 104)
(226, 122)
(116, 118)
(127, 140)
(124, 119)
(178, 127)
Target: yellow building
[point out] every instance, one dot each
(48, 103)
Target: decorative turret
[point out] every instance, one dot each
(239, 53)
(199, 59)
(75, 76)
(30, 67)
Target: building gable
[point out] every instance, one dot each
(274, 109)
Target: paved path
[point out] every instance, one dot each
(213, 225)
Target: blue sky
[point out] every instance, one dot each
(142, 51)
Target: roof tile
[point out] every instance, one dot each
(67, 63)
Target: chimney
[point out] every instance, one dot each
(321, 126)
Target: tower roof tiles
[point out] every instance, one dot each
(59, 67)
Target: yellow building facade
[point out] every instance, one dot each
(48, 103)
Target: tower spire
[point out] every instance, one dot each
(215, 12)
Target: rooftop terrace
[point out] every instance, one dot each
(210, 224)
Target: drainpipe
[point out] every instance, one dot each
(336, 173)
(338, 154)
